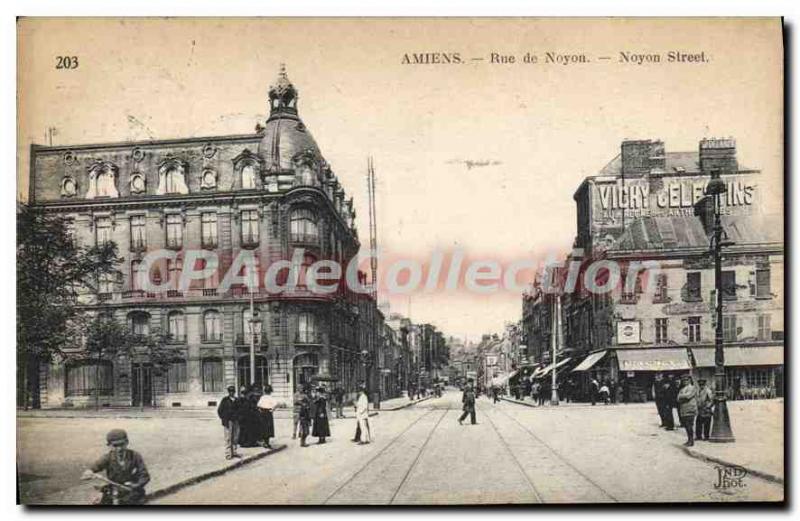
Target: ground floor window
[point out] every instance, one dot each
(176, 377)
(86, 378)
(243, 371)
(212, 375)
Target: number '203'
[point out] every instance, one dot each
(66, 62)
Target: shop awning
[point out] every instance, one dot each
(589, 361)
(503, 379)
(544, 372)
(740, 356)
(673, 359)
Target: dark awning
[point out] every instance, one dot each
(740, 356)
(653, 359)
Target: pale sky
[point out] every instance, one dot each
(540, 128)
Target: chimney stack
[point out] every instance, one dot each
(639, 157)
(718, 154)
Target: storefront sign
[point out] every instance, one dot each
(628, 332)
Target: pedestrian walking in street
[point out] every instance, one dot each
(468, 404)
(594, 390)
(297, 404)
(605, 393)
(338, 401)
(535, 389)
(126, 473)
(305, 416)
(495, 393)
(229, 416)
(321, 428)
(362, 417)
(687, 407)
(705, 410)
(266, 405)
(675, 387)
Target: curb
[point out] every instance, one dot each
(710, 459)
(171, 489)
(409, 404)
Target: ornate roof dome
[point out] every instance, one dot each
(285, 136)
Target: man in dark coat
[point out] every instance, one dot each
(658, 396)
(229, 416)
(321, 427)
(669, 392)
(305, 417)
(125, 468)
(594, 389)
(468, 401)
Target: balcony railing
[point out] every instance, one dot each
(138, 246)
(176, 338)
(243, 339)
(211, 338)
(304, 238)
(174, 243)
(209, 243)
(249, 240)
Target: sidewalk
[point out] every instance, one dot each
(759, 447)
(55, 446)
(396, 404)
(562, 404)
(757, 426)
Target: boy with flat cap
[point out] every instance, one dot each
(124, 467)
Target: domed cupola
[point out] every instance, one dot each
(285, 139)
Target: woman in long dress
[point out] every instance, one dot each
(250, 423)
(266, 404)
(322, 428)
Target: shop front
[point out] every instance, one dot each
(632, 371)
(750, 372)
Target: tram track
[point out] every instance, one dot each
(515, 459)
(419, 455)
(552, 451)
(377, 455)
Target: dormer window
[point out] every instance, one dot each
(172, 177)
(248, 177)
(102, 180)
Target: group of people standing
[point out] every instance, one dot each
(310, 415)
(247, 418)
(695, 405)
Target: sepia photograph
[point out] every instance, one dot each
(400, 261)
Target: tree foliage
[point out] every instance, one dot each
(53, 271)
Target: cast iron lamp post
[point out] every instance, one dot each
(721, 431)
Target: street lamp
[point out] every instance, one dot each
(254, 320)
(721, 431)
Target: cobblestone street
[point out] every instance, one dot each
(515, 454)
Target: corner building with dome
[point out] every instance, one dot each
(270, 193)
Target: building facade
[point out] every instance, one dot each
(250, 201)
(640, 208)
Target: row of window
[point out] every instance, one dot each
(303, 228)
(692, 292)
(97, 378)
(307, 331)
(730, 330)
